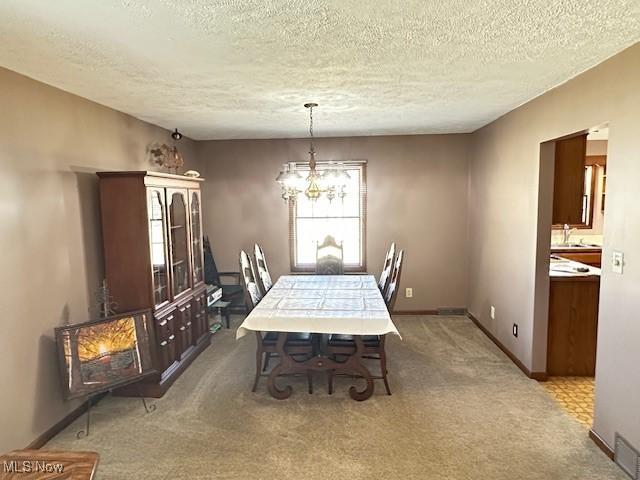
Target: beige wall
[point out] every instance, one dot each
(417, 190)
(503, 211)
(51, 145)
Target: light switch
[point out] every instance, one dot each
(493, 312)
(617, 263)
(408, 292)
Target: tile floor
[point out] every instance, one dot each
(575, 396)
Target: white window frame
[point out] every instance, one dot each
(362, 265)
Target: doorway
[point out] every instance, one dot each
(572, 205)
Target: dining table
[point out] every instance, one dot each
(321, 305)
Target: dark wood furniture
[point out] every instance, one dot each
(589, 256)
(373, 346)
(153, 252)
(297, 344)
(573, 326)
(573, 201)
(329, 257)
(48, 465)
(264, 277)
(385, 275)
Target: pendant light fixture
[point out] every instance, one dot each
(330, 181)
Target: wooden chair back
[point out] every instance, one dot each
(252, 293)
(329, 257)
(386, 269)
(264, 277)
(394, 283)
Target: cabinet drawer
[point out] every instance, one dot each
(166, 340)
(185, 328)
(589, 258)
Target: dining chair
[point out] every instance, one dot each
(232, 290)
(374, 345)
(263, 271)
(383, 282)
(329, 257)
(297, 344)
(394, 283)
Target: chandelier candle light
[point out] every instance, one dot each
(330, 181)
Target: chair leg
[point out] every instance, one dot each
(383, 368)
(258, 368)
(226, 316)
(310, 381)
(330, 381)
(267, 357)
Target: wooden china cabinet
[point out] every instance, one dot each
(152, 233)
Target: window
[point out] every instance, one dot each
(310, 222)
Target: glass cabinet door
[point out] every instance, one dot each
(158, 239)
(178, 226)
(196, 236)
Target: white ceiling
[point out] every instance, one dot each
(243, 68)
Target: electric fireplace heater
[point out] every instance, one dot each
(100, 355)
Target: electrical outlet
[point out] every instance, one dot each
(493, 312)
(408, 292)
(515, 330)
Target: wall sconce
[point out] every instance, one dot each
(167, 156)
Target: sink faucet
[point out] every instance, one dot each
(566, 233)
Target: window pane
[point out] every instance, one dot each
(312, 231)
(339, 218)
(322, 207)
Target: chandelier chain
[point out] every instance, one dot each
(311, 125)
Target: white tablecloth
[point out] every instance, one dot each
(347, 304)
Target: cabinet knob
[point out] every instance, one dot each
(163, 343)
(171, 337)
(183, 328)
(163, 322)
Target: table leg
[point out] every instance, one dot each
(288, 364)
(285, 361)
(355, 363)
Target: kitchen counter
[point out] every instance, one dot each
(562, 268)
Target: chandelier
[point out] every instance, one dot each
(330, 181)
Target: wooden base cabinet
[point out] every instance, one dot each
(573, 326)
(152, 234)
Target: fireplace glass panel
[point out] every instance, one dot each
(100, 355)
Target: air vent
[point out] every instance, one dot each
(627, 457)
(452, 311)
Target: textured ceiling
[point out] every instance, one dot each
(243, 68)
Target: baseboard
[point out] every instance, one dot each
(414, 312)
(437, 311)
(540, 376)
(42, 439)
(602, 445)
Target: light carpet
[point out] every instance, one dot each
(459, 410)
